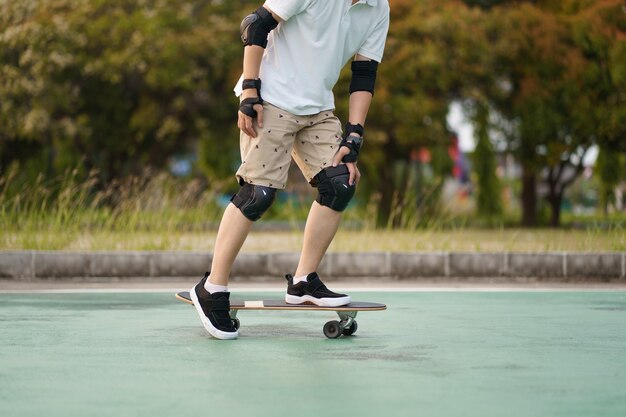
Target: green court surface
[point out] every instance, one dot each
(430, 354)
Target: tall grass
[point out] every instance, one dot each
(157, 211)
(50, 213)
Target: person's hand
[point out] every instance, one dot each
(246, 123)
(355, 174)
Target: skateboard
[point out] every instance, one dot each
(346, 325)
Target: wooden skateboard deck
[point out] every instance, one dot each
(282, 305)
(332, 329)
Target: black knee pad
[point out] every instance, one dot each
(333, 187)
(254, 200)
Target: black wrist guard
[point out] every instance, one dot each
(247, 106)
(350, 128)
(251, 83)
(354, 144)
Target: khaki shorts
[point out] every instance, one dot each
(312, 141)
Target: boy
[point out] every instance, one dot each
(293, 53)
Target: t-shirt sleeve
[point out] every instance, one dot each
(287, 8)
(374, 45)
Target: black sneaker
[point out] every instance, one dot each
(313, 291)
(213, 310)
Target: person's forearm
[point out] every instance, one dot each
(359, 106)
(252, 55)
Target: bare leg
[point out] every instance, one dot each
(232, 232)
(320, 229)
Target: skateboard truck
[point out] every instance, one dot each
(234, 319)
(346, 325)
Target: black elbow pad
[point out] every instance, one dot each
(256, 27)
(363, 76)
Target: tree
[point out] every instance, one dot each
(554, 93)
(488, 200)
(419, 76)
(610, 170)
(117, 85)
(591, 100)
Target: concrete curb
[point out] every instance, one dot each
(564, 266)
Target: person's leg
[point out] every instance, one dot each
(265, 162)
(306, 286)
(314, 150)
(263, 170)
(231, 235)
(319, 231)
(210, 296)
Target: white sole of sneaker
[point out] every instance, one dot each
(213, 331)
(321, 302)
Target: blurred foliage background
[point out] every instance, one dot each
(115, 109)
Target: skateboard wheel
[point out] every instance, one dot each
(332, 329)
(236, 323)
(349, 331)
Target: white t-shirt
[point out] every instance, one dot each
(307, 51)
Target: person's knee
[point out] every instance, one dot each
(334, 190)
(254, 200)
